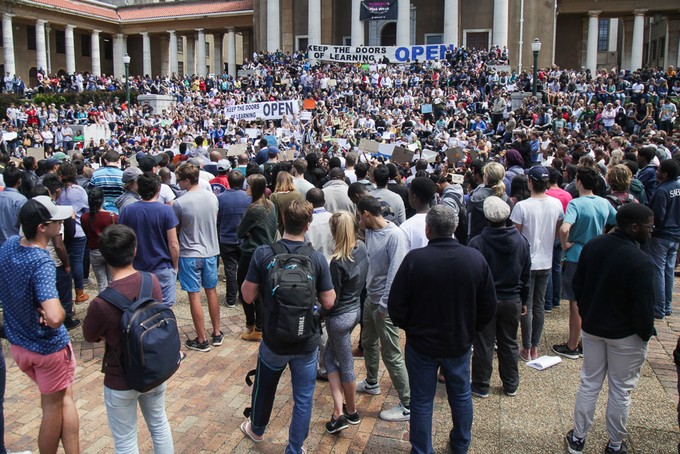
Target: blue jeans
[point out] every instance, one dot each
(168, 280)
(65, 290)
(121, 411)
(303, 378)
(3, 379)
(663, 253)
(422, 374)
(76, 251)
(553, 292)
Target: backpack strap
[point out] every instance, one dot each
(116, 298)
(278, 248)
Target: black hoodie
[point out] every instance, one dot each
(507, 253)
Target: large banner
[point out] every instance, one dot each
(379, 10)
(378, 54)
(270, 110)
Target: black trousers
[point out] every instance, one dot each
(253, 311)
(231, 254)
(503, 330)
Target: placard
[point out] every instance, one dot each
(271, 140)
(309, 104)
(386, 149)
(378, 54)
(269, 110)
(428, 155)
(37, 152)
(387, 135)
(454, 155)
(236, 149)
(305, 116)
(253, 133)
(402, 155)
(369, 146)
(426, 108)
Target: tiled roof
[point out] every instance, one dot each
(151, 10)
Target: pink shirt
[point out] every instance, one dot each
(560, 194)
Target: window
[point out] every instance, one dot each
(662, 47)
(86, 45)
(207, 50)
(346, 40)
(180, 45)
(603, 35)
(60, 40)
(108, 49)
(434, 38)
(30, 37)
(180, 68)
(301, 43)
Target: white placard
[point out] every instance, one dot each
(270, 110)
(377, 54)
(386, 148)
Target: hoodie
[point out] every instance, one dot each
(508, 255)
(475, 209)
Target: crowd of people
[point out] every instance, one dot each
(497, 218)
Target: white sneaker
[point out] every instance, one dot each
(365, 387)
(398, 413)
(19, 452)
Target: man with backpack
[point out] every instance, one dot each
(126, 379)
(293, 280)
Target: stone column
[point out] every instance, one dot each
(451, 13)
(638, 39)
(500, 23)
(172, 53)
(189, 57)
(8, 45)
(314, 22)
(218, 65)
(70, 50)
(40, 46)
(146, 54)
(273, 25)
(403, 23)
(200, 52)
(231, 52)
(165, 55)
(118, 53)
(591, 47)
(357, 24)
(96, 57)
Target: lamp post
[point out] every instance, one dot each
(126, 62)
(536, 48)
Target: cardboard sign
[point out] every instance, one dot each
(402, 155)
(236, 149)
(37, 152)
(386, 149)
(426, 108)
(455, 154)
(428, 155)
(305, 116)
(387, 135)
(309, 104)
(253, 133)
(288, 155)
(271, 140)
(221, 151)
(369, 146)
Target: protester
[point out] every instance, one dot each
(11, 201)
(456, 283)
(94, 222)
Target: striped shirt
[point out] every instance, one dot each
(110, 180)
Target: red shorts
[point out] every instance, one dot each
(52, 373)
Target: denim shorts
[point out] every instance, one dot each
(196, 272)
(568, 271)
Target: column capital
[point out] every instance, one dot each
(70, 27)
(640, 12)
(144, 34)
(40, 22)
(172, 32)
(231, 30)
(120, 36)
(200, 30)
(8, 15)
(96, 32)
(594, 13)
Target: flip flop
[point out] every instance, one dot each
(245, 428)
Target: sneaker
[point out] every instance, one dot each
(354, 418)
(574, 445)
(580, 350)
(336, 425)
(510, 393)
(230, 304)
(252, 336)
(365, 387)
(248, 432)
(71, 323)
(623, 449)
(194, 344)
(564, 350)
(398, 413)
(19, 452)
(479, 394)
(217, 339)
(547, 310)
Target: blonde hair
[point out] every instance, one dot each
(284, 182)
(493, 176)
(619, 178)
(343, 227)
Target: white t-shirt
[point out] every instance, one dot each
(539, 217)
(166, 195)
(414, 228)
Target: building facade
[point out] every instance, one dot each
(206, 36)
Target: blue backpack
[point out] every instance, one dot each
(149, 338)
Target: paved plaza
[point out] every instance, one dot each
(206, 399)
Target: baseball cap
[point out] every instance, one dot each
(60, 156)
(51, 162)
(147, 163)
(538, 173)
(223, 165)
(495, 209)
(131, 174)
(41, 209)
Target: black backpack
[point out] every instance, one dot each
(149, 338)
(616, 203)
(291, 315)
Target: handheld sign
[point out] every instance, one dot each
(402, 155)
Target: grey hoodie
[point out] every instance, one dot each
(386, 247)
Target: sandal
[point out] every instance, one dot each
(245, 428)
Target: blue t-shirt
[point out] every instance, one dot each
(29, 278)
(151, 222)
(588, 216)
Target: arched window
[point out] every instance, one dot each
(33, 77)
(388, 35)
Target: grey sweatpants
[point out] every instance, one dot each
(620, 360)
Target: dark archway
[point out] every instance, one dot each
(388, 35)
(33, 77)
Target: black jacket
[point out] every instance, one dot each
(614, 287)
(508, 254)
(441, 295)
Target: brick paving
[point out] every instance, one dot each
(206, 399)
